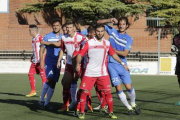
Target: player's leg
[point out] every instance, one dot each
(66, 90)
(101, 97)
(31, 73)
(177, 69)
(114, 71)
(49, 75)
(86, 86)
(52, 82)
(177, 72)
(103, 84)
(42, 73)
(126, 79)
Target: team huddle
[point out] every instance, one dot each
(90, 57)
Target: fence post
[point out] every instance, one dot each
(159, 49)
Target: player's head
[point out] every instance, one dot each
(99, 31)
(33, 30)
(79, 22)
(91, 31)
(123, 24)
(179, 26)
(64, 29)
(70, 27)
(56, 25)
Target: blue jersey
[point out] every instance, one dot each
(84, 32)
(118, 41)
(52, 52)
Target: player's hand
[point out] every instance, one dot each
(77, 68)
(42, 42)
(126, 67)
(42, 65)
(75, 76)
(114, 20)
(58, 64)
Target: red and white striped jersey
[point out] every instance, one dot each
(36, 47)
(70, 44)
(97, 53)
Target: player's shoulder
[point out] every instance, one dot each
(65, 36)
(107, 41)
(128, 37)
(80, 35)
(48, 34)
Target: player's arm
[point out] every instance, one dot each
(44, 54)
(127, 48)
(116, 57)
(110, 20)
(59, 58)
(81, 54)
(32, 57)
(78, 59)
(61, 53)
(56, 44)
(122, 53)
(41, 53)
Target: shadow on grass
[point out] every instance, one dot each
(11, 94)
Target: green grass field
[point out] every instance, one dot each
(156, 96)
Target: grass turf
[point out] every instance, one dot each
(155, 95)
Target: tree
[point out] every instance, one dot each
(168, 9)
(89, 9)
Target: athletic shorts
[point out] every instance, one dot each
(52, 72)
(177, 69)
(102, 83)
(35, 69)
(69, 69)
(118, 74)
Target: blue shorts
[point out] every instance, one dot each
(118, 74)
(52, 72)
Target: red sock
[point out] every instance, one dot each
(66, 96)
(78, 99)
(43, 77)
(109, 100)
(83, 96)
(32, 81)
(98, 94)
(89, 99)
(103, 99)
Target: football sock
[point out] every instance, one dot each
(103, 99)
(73, 90)
(109, 100)
(83, 96)
(123, 99)
(132, 95)
(32, 81)
(78, 100)
(89, 99)
(66, 96)
(43, 77)
(49, 95)
(98, 92)
(44, 91)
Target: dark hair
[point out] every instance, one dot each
(69, 21)
(32, 26)
(178, 22)
(56, 20)
(64, 25)
(80, 20)
(99, 25)
(90, 29)
(125, 19)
